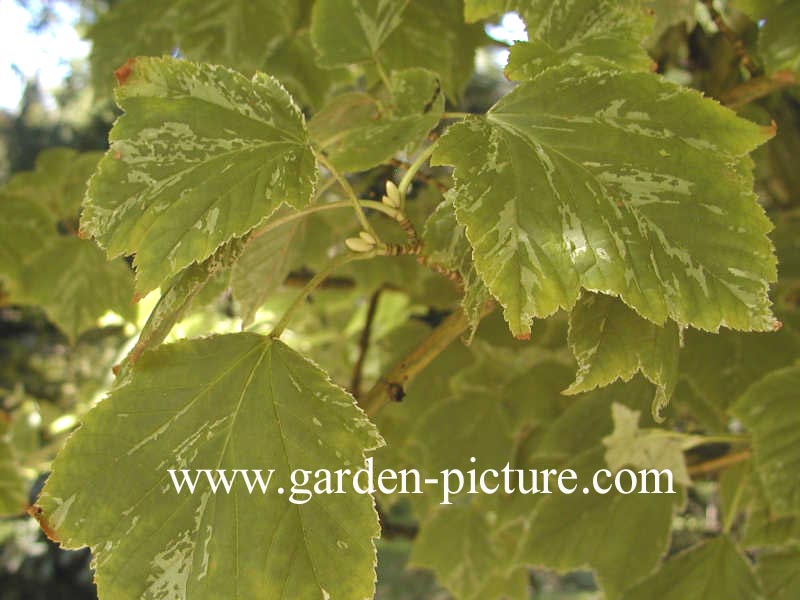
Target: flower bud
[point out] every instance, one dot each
(358, 245)
(367, 237)
(392, 192)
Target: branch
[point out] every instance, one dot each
(391, 387)
(759, 87)
(363, 343)
(351, 195)
(717, 464)
(301, 278)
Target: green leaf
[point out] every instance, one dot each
(26, 227)
(395, 581)
(610, 341)
(769, 410)
(237, 401)
(780, 573)
(777, 37)
(720, 367)
(601, 33)
(398, 35)
(583, 423)
(456, 544)
(75, 285)
(669, 13)
(475, 10)
(630, 446)
(241, 34)
(13, 488)
(237, 33)
(716, 567)
(200, 156)
(130, 28)
(346, 32)
(358, 131)
(571, 531)
(434, 36)
(615, 182)
(764, 529)
(294, 64)
(446, 244)
(263, 267)
(58, 181)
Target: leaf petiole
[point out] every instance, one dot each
(412, 171)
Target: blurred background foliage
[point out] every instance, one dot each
(48, 382)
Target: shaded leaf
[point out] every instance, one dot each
(58, 181)
(720, 367)
(13, 488)
(398, 35)
(26, 227)
(630, 446)
(568, 532)
(346, 32)
(75, 285)
(777, 35)
(456, 544)
(610, 341)
(358, 131)
(263, 267)
(240, 34)
(716, 567)
(769, 409)
(780, 574)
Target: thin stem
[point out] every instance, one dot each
(348, 190)
(363, 343)
(373, 204)
(457, 115)
(315, 281)
(413, 168)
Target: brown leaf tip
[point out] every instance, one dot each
(37, 513)
(123, 72)
(771, 129)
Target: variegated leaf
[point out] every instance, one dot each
(201, 155)
(619, 183)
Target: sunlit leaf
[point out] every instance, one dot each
(227, 402)
(620, 183)
(200, 156)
